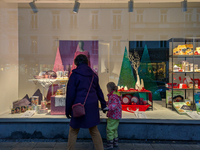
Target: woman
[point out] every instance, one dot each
(77, 89)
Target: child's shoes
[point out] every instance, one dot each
(109, 145)
(115, 142)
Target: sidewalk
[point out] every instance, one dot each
(89, 146)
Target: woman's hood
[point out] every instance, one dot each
(83, 70)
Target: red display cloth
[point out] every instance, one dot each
(49, 93)
(131, 108)
(150, 97)
(60, 110)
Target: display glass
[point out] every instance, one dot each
(151, 54)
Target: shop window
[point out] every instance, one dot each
(163, 44)
(138, 44)
(56, 20)
(34, 45)
(12, 19)
(34, 21)
(163, 16)
(140, 15)
(73, 21)
(94, 47)
(117, 22)
(188, 17)
(95, 16)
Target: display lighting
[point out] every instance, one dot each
(130, 6)
(76, 6)
(184, 5)
(33, 6)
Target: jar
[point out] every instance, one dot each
(183, 65)
(191, 67)
(190, 85)
(176, 68)
(186, 67)
(195, 67)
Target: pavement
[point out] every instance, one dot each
(82, 145)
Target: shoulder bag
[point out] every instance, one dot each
(79, 109)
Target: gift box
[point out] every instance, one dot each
(56, 107)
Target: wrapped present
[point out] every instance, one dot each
(22, 102)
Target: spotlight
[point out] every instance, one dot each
(130, 6)
(184, 5)
(76, 6)
(33, 6)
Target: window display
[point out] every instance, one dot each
(183, 76)
(131, 49)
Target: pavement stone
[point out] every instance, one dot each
(61, 145)
(45, 145)
(182, 147)
(42, 149)
(162, 147)
(8, 144)
(27, 145)
(22, 148)
(196, 147)
(124, 146)
(84, 146)
(142, 147)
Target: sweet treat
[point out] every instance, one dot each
(18, 110)
(125, 88)
(197, 51)
(23, 109)
(12, 111)
(183, 50)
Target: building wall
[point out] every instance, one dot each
(8, 55)
(114, 28)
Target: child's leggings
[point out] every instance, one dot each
(111, 129)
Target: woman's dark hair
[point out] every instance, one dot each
(81, 59)
(112, 86)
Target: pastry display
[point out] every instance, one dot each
(186, 49)
(197, 51)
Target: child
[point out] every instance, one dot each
(114, 114)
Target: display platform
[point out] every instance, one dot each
(159, 112)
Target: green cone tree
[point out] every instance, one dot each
(126, 77)
(145, 72)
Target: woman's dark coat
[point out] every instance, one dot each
(77, 88)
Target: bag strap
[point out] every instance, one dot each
(89, 89)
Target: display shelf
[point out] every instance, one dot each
(182, 89)
(184, 56)
(184, 72)
(137, 106)
(47, 82)
(183, 46)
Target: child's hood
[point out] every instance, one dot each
(117, 93)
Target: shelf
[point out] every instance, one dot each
(182, 89)
(184, 56)
(184, 72)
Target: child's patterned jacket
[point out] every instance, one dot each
(114, 105)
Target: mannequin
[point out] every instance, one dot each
(80, 50)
